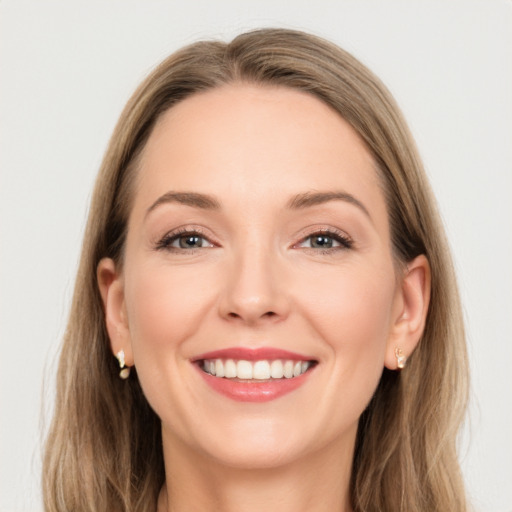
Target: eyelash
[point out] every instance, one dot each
(337, 236)
(165, 243)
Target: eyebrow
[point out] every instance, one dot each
(309, 199)
(194, 199)
(297, 202)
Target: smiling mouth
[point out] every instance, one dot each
(263, 370)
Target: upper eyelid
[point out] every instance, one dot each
(323, 230)
(328, 234)
(173, 234)
(188, 229)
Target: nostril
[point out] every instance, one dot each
(268, 314)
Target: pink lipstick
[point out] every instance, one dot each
(254, 375)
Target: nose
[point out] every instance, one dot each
(254, 290)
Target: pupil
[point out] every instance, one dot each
(187, 242)
(322, 241)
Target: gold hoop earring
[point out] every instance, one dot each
(400, 358)
(125, 370)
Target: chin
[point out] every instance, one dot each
(258, 442)
(243, 455)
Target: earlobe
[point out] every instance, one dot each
(110, 284)
(410, 317)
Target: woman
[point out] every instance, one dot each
(265, 314)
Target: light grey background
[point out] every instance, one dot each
(68, 67)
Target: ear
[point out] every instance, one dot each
(409, 310)
(111, 286)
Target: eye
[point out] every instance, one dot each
(326, 240)
(184, 240)
(190, 241)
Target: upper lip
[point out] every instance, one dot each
(253, 354)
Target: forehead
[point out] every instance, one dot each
(255, 142)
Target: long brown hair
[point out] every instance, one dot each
(103, 450)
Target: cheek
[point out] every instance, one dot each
(354, 306)
(164, 307)
(353, 317)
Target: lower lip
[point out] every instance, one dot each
(254, 391)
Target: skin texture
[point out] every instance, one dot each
(256, 281)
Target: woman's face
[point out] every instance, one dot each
(258, 245)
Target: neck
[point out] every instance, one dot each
(318, 483)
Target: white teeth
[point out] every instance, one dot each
(244, 369)
(219, 368)
(276, 369)
(261, 370)
(288, 369)
(255, 370)
(229, 368)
